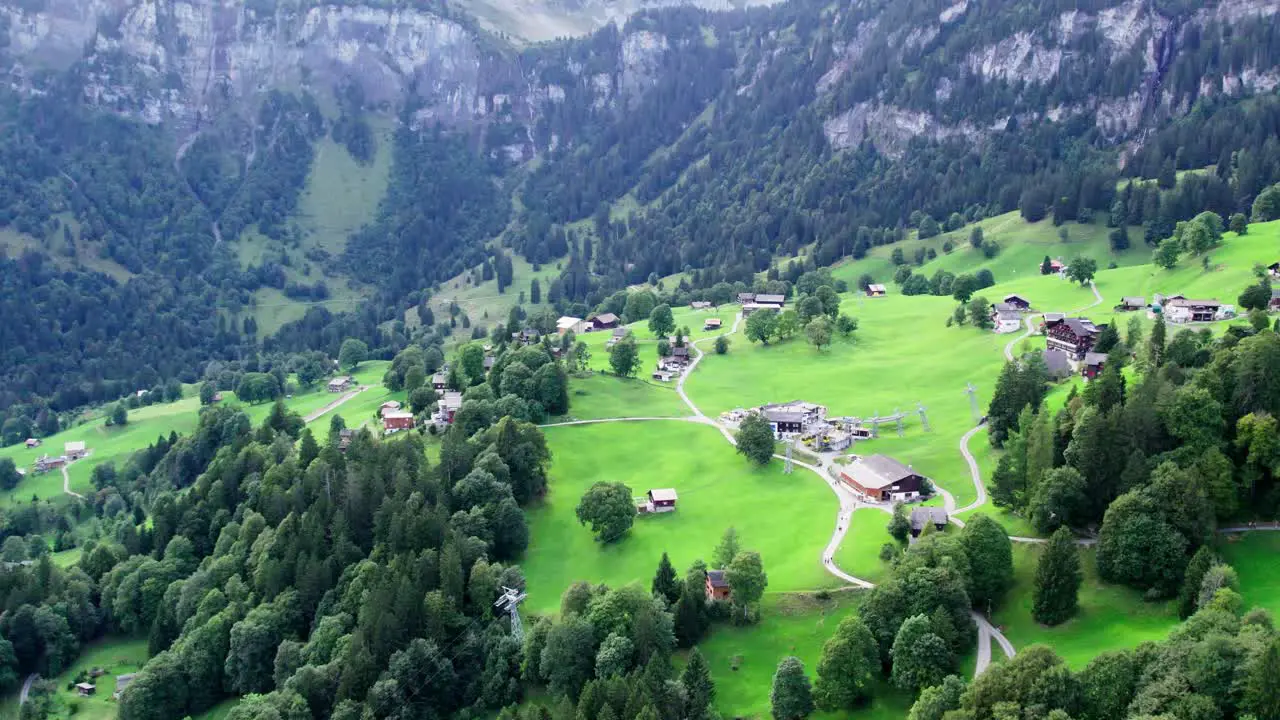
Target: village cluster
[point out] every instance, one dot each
(71, 452)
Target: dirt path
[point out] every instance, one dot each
(317, 414)
(26, 688)
(1008, 349)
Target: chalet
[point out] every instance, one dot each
(568, 323)
(86, 689)
(75, 450)
(1005, 318)
(712, 324)
(1018, 302)
(785, 422)
(876, 290)
(1093, 365)
(394, 422)
(1058, 364)
(776, 300)
(345, 436)
(679, 355)
(388, 407)
(618, 334)
(340, 384)
(1132, 303)
(717, 586)
(661, 500)
(1048, 320)
(449, 405)
(662, 375)
(924, 516)
(1274, 270)
(439, 381)
(33, 442)
(795, 418)
(527, 336)
(45, 463)
(1182, 310)
(700, 305)
(1162, 300)
(607, 321)
(1074, 336)
(882, 479)
(746, 298)
(1274, 305)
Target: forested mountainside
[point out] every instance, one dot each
(687, 139)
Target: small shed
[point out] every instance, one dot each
(700, 305)
(712, 324)
(876, 290)
(662, 499)
(717, 586)
(606, 321)
(33, 442)
(340, 384)
(1131, 303)
(86, 689)
(75, 450)
(923, 516)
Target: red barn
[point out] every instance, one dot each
(396, 421)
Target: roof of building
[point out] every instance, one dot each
(1054, 317)
(875, 287)
(1183, 302)
(1057, 362)
(783, 416)
(879, 471)
(771, 299)
(1094, 358)
(398, 416)
(1014, 296)
(392, 404)
(699, 304)
(713, 321)
(451, 399)
(1133, 301)
(489, 360)
(746, 297)
(663, 495)
(606, 318)
(341, 380)
(679, 352)
(77, 446)
(1081, 326)
(567, 322)
(922, 515)
(717, 579)
(86, 686)
(1275, 294)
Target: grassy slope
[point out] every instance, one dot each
(1111, 617)
(116, 655)
(1254, 557)
(790, 625)
(859, 554)
(482, 302)
(115, 444)
(786, 518)
(604, 396)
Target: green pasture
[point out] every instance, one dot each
(1111, 617)
(787, 518)
(115, 655)
(605, 396)
(1254, 557)
(859, 553)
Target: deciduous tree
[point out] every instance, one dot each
(850, 661)
(609, 509)
(755, 439)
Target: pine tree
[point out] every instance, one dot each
(728, 549)
(699, 689)
(791, 697)
(1057, 580)
(1192, 580)
(1155, 343)
(665, 585)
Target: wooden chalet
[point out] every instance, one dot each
(876, 290)
(1131, 303)
(922, 517)
(883, 479)
(1093, 365)
(679, 355)
(1073, 336)
(717, 586)
(394, 422)
(33, 442)
(712, 324)
(75, 450)
(700, 305)
(1017, 302)
(661, 500)
(662, 375)
(776, 300)
(340, 384)
(86, 689)
(388, 407)
(607, 321)
(568, 323)
(1005, 318)
(449, 405)
(746, 298)
(527, 336)
(1182, 310)
(618, 334)
(45, 463)
(489, 360)
(122, 682)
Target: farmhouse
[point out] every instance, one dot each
(657, 501)
(1093, 365)
(679, 356)
(700, 305)
(618, 334)
(340, 384)
(33, 442)
(439, 381)
(1131, 303)
(86, 689)
(746, 298)
(712, 324)
(389, 407)
(568, 323)
(1057, 363)
(752, 307)
(1048, 320)
(882, 478)
(1274, 305)
(1005, 318)
(662, 375)
(717, 586)
(45, 463)
(1018, 302)
(607, 321)
(1181, 310)
(795, 418)
(75, 450)
(876, 290)
(922, 516)
(776, 300)
(1074, 336)
(394, 422)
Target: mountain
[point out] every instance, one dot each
(174, 140)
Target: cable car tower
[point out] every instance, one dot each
(510, 602)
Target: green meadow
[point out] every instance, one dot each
(859, 552)
(605, 396)
(1254, 556)
(787, 518)
(1111, 617)
(115, 655)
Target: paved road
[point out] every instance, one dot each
(26, 688)
(1008, 349)
(333, 405)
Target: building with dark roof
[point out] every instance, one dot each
(1057, 363)
(882, 479)
(1093, 365)
(717, 586)
(1017, 301)
(923, 516)
(1131, 303)
(1074, 336)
